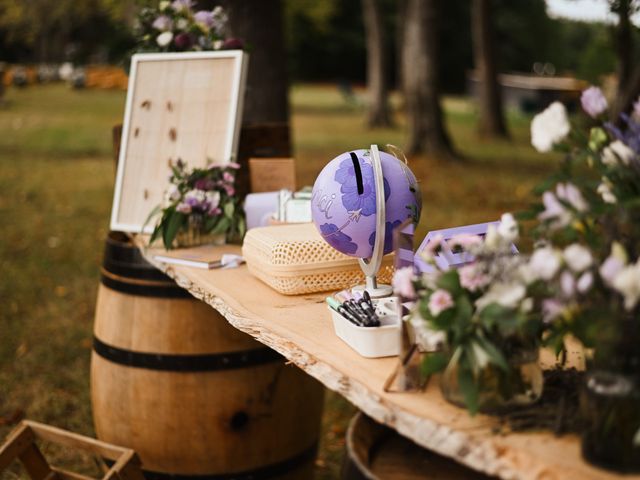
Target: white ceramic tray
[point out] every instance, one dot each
(371, 342)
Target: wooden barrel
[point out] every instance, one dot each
(376, 452)
(193, 396)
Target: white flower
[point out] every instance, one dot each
(544, 263)
(585, 282)
(403, 283)
(577, 257)
(567, 284)
(164, 39)
(507, 295)
(182, 24)
(627, 282)
(430, 248)
(163, 5)
(212, 198)
(617, 152)
(171, 195)
(183, 208)
(614, 263)
(492, 237)
(555, 211)
(549, 127)
(604, 189)
(508, 228)
(439, 301)
(570, 193)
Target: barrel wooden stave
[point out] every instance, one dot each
(190, 393)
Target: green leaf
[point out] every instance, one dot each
(433, 363)
(495, 356)
(222, 226)
(174, 222)
(467, 385)
(450, 281)
(229, 209)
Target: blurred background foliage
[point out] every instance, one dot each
(325, 40)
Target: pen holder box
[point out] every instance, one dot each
(294, 259)
(370, 342)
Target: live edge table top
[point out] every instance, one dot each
(299, 327)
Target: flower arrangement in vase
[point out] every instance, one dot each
(200, 206)
(589, 221)
(173, 26)
(484, 312)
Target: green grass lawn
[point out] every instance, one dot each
(56, 184)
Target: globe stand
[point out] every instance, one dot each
(371, 266)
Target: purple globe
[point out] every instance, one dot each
(343, 204)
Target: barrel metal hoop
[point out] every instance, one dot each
(209, 362)
(261, 473)
(167, 290)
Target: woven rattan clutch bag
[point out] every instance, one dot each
(294, 259)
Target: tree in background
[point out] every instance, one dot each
(378, 114)
(491, 123)
(259, 24)
(628, 77)
(427, 132)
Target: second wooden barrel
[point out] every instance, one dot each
(193, 396)
(376, 452)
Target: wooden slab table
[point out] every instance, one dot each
(300, 328)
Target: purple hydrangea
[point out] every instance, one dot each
(593, 102)
(388, 236)
(352, 200)
(204, 18)
(338, 240)
(162, 23)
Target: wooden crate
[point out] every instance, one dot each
(21, 445)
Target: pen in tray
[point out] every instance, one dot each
(359, 312)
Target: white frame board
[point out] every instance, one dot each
(229, 112)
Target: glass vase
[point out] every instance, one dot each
(194, 235)
(499, 390)
(610, 408)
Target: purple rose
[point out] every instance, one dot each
(204, 18)
(204, 184)
(338, 240)
(593, 102)
(162, 23)
(232, 44)
(183, 41)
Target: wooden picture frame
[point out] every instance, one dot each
(184, 106)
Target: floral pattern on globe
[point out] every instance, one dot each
(364, 204)
(338, 240)
(388, 235)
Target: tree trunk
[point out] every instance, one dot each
(623, 40)
(427, 132)
(378, 115)
(492, 122)
(259, 24)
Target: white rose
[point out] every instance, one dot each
(506, 294)
(577, 257)
(617, 152)
(544, 263)
(604, 189)
(549, 127)
(627, 282)
(508, 228)
(164, 39)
